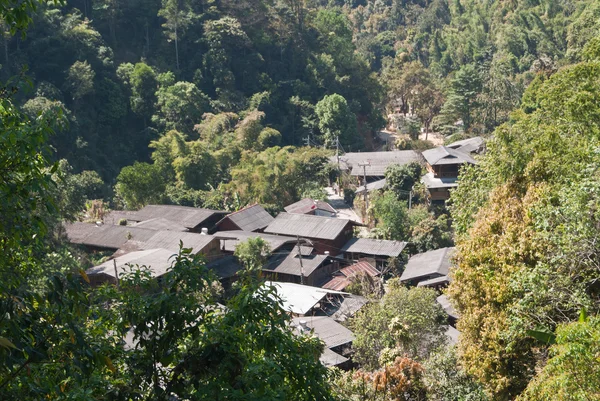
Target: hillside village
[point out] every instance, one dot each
(314, 254)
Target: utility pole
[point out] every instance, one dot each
(364, 166)
(301, 265)
(116, 272)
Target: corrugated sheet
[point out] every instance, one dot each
(299, 299)
(434, 281)
(308, 205)
(444, 155)
(379, 161)
(235, 237)
(105, 236)
(157, 260)
(160, 224)
(289, 263)
(189, 217)
(430, 263)
(452, 335)
(372, 186)
(348, 308)
(337, 283)
(308, 226)
(330, 358)
(360, 267)
(170, 240)
(325, 328)
(431, 181)
(444, 301)
(375, 247)
(225, 267)
(471, 145)
(250, 218)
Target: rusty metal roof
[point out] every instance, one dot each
(309, 226)
(376, 247)
(360, 267)
(250, 218)
(337, 283)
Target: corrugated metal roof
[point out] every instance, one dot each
(298, 298)
(225, 267)
(157, 260)
(349, 306)
(189, 217)
(160, 224)
(275, 241)
(432, 282)
(337, 283)
(379, 161)
(372, 186)
(114, 216)
(431, 181)
(309, 226)
(325, 328)
(289, 263)
(330, 358)
(308, 205)
(105, 236)
(444, 301)
(452, 335)
(250, 218)
(360, 267)
(376, 247)
(471, 145)
(425, 264)
(444, 155)
(170, 240)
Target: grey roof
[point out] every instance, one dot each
(471, 145)
(377, 247)
(289, 263)
(307, 205)
(431, 181)
(235, 237)
(225, 267)
(114, 216)
(297, 298)
(443, 155)
(330, 358)
(452, 335)
(444, 301)
(349, 306)
(157, 260)
(309, 226)
(189, 217)
(379, 161)
(170, 240)
(325, 328)
(105, 236)
(250, 218)
(372, 186)
(430, 263)
(432, 282)
(160, 224)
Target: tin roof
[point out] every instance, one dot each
(189, 217)
(308, 205)
(250, 218)
(432, 282)
(378, 161)
(432, 181)
(235, 237)
(160, 224)
(444, 155)
(325, 328)
(157, 260)
(444, 301)
(360, 267)
(289, 263)
(170, 240)
(470, 145)
(376, 247)
(299, 299)
(337, 283)
(430, 263)
(309, 226)
(330, 358)
(105, 236)
(350, 304)
(372, 186)
(225, 267)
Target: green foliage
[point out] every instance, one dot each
(179, 107)
(400, 179)
(428, 232)
(80, 80)
(140, 185)
(390, 215)
(336, 120)
(404, 322)
(253, 253)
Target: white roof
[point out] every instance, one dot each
(300, 299)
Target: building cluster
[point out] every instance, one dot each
(442, 164)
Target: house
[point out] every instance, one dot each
(301, 267)
(250, 218)
(343, 277)
(372, 187)
(444, 301)
(475, 145)
(346, 307)
(192, 218)
(443, 165)
(104, 237)
(337, 338)
(427, 266)
(158, 262)
(304, 300)
(160, 224)
(208, 245)
(325, 233)
(311, 206)
(230, 240)
(376, 162)
(226, 269)
(379, 250)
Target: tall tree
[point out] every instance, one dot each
(178, 15)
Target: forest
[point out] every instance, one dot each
(220, 104)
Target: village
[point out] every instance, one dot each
(317, 252)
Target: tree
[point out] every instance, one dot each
(196, 169)
(143, 87)
(405, 322)
(461, 100)
(80, 80)
(390, 215)
(180, 106)
(253, 253)
(140, 185)
(178, 16)
(400, 179)
(336, 120)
